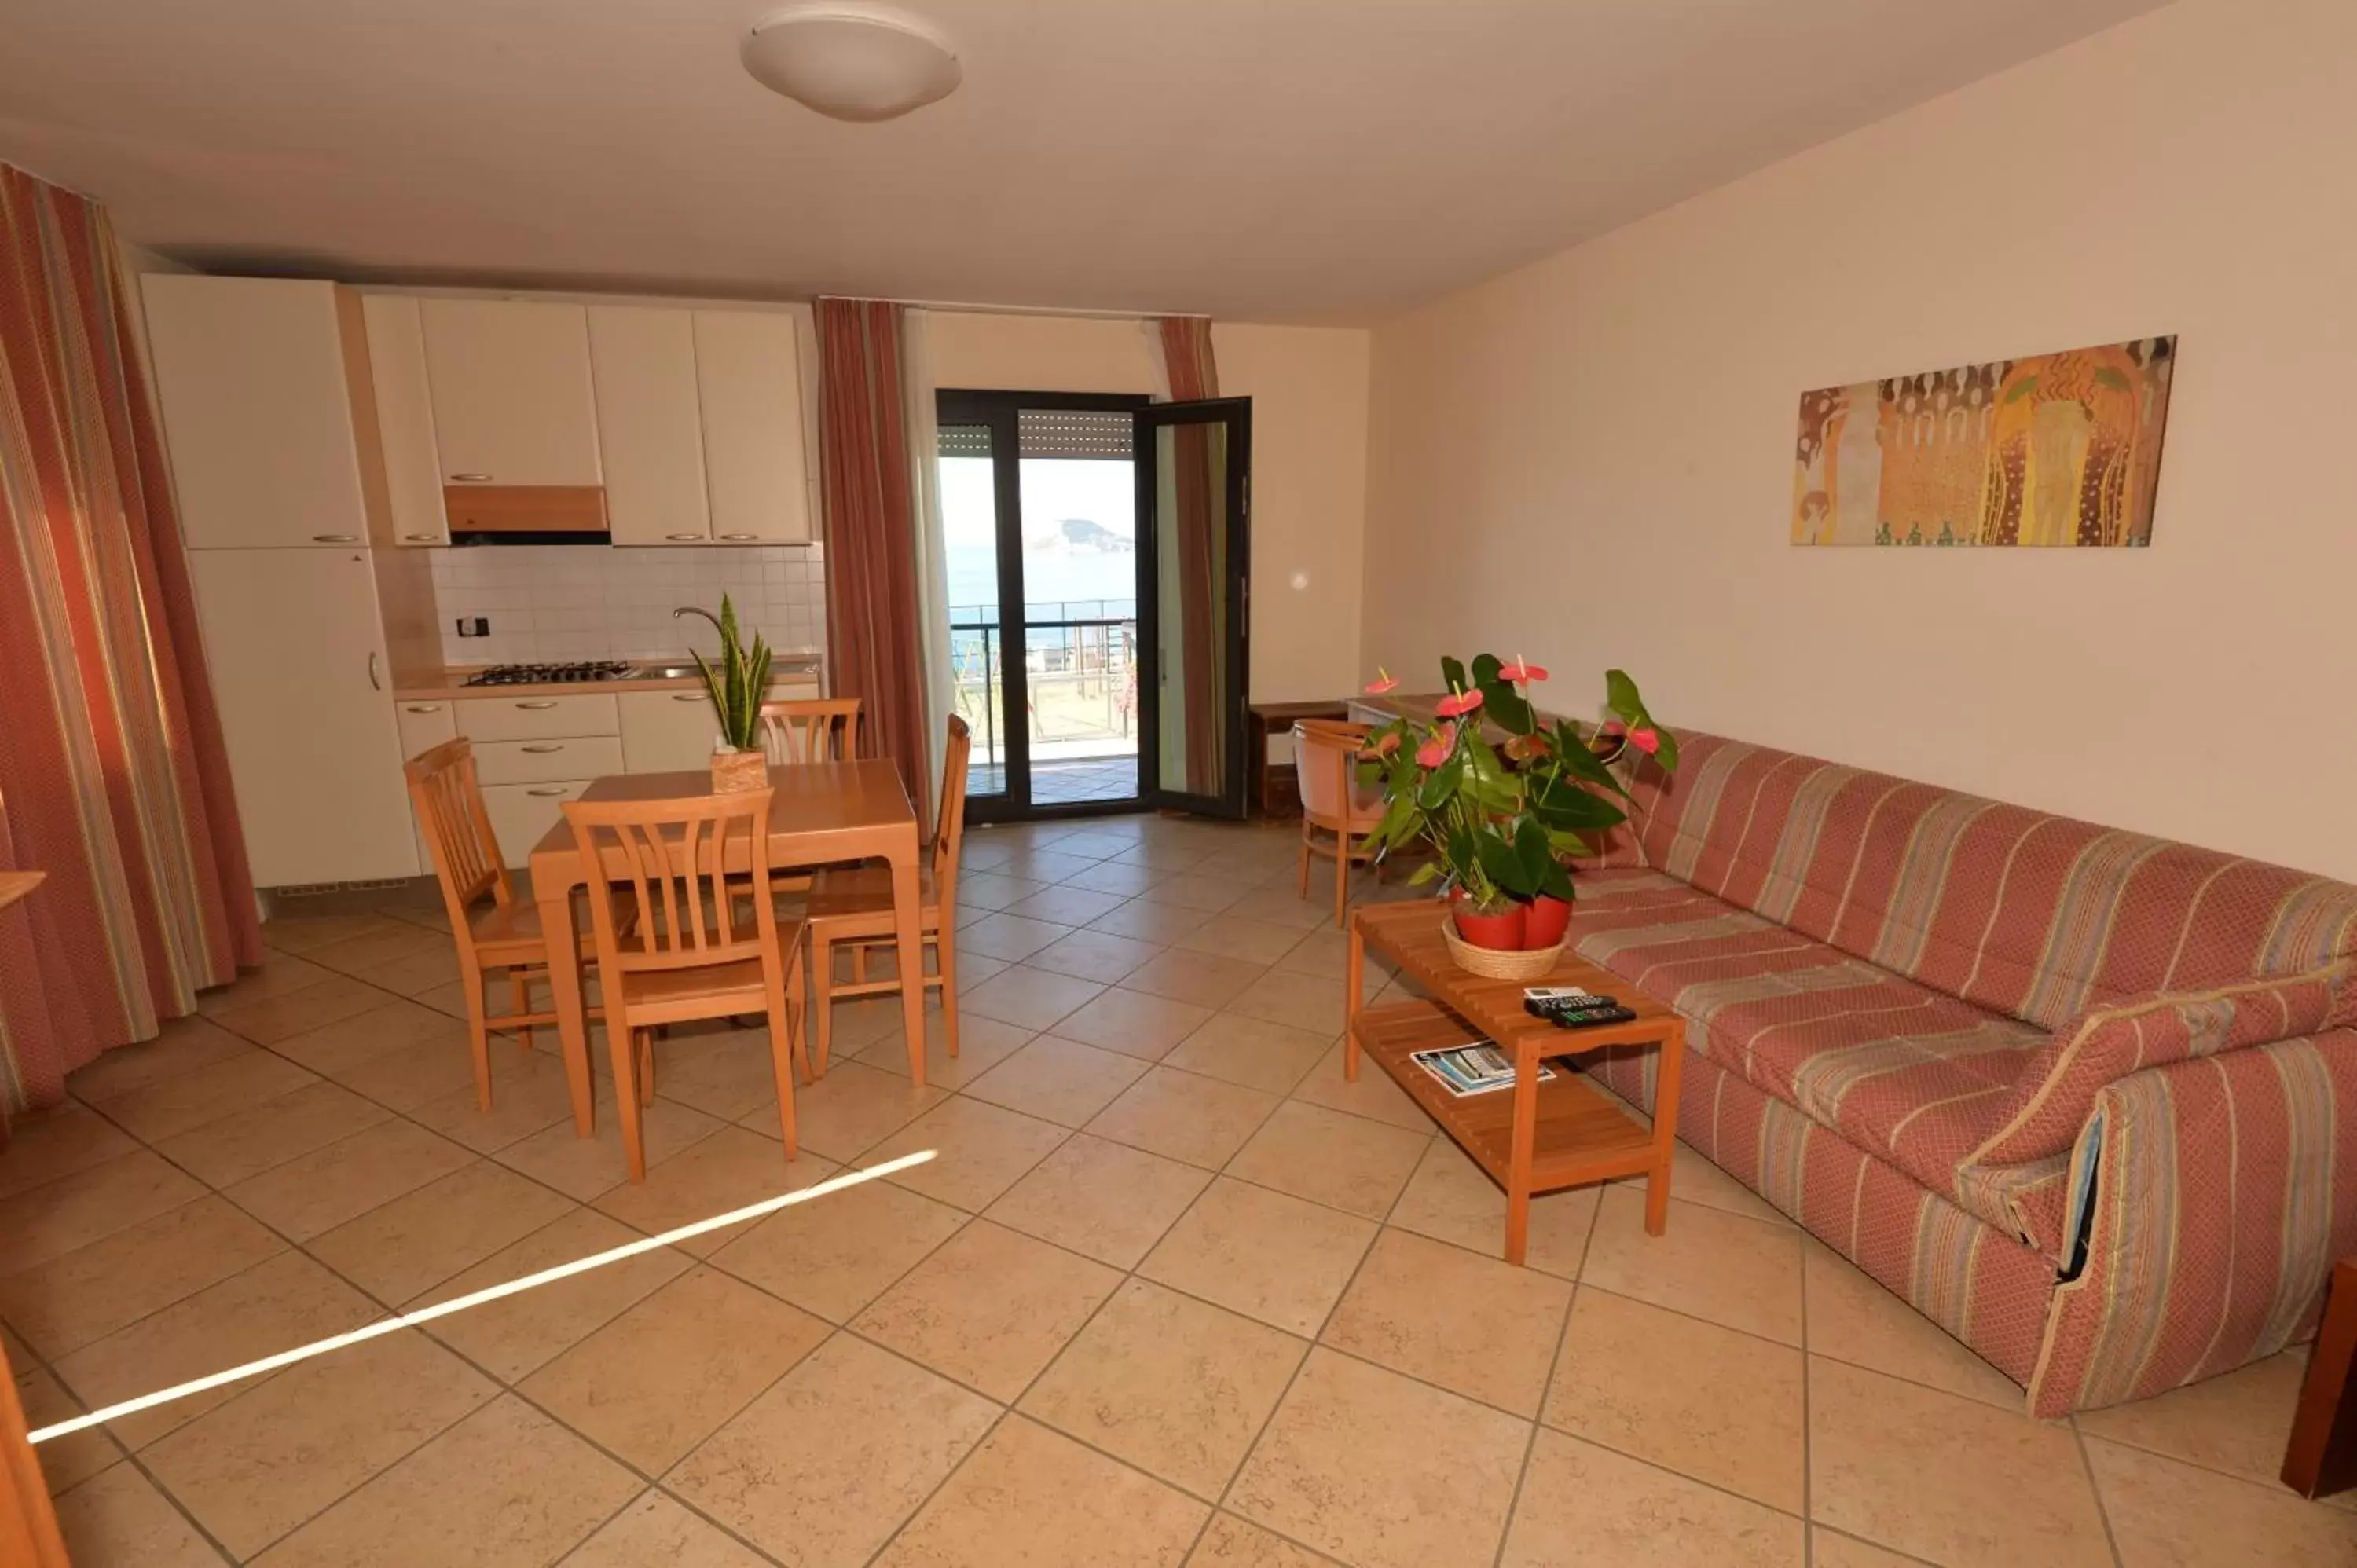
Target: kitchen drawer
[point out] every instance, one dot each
(673, 732)
(424, 726)
(521, 813)
(537, 719)
(546, 761)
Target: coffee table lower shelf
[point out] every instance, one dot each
(1578, 1135)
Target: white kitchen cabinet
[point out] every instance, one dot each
(650, 434)
(296, 652)
(673, 732)
(666, 731)
(513, 392)
(546, 761)
(748, 381)
(404, 418)
(537, 719)
(255, 381)
(522, 814)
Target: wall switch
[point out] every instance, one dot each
(474, 625)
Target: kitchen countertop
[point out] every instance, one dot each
(450, 682)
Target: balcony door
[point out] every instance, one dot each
(1039, 497)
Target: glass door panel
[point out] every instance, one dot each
(1194, 492)
(977, 633)
(1079, 493)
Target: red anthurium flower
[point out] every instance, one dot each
(1645, 740)
(1523, 674)
(1434, 752)
(1386, 681)
(1388, 744)
(1456, 704)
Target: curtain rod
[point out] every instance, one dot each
(969, 307)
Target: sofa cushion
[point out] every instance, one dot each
(1904, 1071)
(2031, 914)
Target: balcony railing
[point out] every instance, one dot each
(1080, 676)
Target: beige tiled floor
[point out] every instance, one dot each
(1172, 1292)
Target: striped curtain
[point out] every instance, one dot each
(873, 649)
(113, 775)
(1194, 375)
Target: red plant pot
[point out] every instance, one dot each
(1545, 920)
(1503, 930)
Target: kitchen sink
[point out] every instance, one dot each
(685, 668)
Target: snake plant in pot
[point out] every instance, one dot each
(737, 682)
(1504, 812)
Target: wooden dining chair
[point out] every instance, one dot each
(676, 942)
(810, 729)
(1333, 802)
(853, 907)
(504, 934)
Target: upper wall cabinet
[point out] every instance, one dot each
(748, 379)
(404, 417)
(648, 431)
(511, 391)
(263, 384)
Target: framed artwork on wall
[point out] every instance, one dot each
(2056, 450)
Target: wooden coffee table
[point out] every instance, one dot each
(1537, 1136)
(2321, 1457)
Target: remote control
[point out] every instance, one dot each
(1610, 1011)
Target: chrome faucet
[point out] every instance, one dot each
(699, 610)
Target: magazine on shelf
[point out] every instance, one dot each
(1476, 1068)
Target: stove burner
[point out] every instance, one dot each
(548, 674)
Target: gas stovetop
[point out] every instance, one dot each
(548, 674)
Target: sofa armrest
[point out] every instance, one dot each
(2212, 1194)
(2053, 1096)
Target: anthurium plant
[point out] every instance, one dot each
(1502, 811)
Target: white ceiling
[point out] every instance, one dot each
(1255, 159)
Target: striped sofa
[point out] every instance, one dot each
(2083, 1098)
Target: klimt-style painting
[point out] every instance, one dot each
(2055, 449)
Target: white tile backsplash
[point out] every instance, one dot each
(555, 602)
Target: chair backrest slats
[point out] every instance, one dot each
(948, 831)
(448, 802)
(675, 859)
(815, 729)
(1324, 752)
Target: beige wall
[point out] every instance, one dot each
(1309, 387)
(1591, 460)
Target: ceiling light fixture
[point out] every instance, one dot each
(852, 62)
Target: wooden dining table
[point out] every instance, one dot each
(821, 813)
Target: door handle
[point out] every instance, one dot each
(471, 479)
(739, 538)
(543, 750)
(375, 684)
(335, 538)
(423, 538)
(687, 696)
(424, 707)
(557, 789)
(536, 707)
(686, 538)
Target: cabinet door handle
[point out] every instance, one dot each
(423, 538)
(375, 684)
(424, 707)
(739, 538)
(553, 789)
(471, 479)
(686, 538)
(543, 750)
(536, 707)
(688, 696)
(335, 538)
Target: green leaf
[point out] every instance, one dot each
(1485, 668)
(1429, 871)
(1668, 754)
(1504, 867)
(1575, 757)
(1620, 696)
(1556, 882)
(1452, 674)
(1507, 709)
(1565, 806)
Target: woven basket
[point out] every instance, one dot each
(1499, 963)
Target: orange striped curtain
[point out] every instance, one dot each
(872, 644)
(1187, 358)
(113, 775)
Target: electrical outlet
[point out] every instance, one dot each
(474, 625)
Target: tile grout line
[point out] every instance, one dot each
(1808, 1433)
(2095, 1488)
(1547, 1391)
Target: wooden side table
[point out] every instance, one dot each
(1274, 789)
(1535, 1137)
(2322, 1454)
(14, 886)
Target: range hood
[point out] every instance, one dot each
(526, 514)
